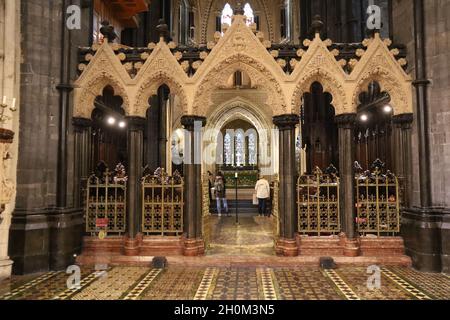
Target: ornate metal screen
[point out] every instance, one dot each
(318, 203)
(106, 204)
(162, 204)
(378, 204)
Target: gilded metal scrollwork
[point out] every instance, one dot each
(378, 204)
(105, 204)
(318, 203)
(162, 203)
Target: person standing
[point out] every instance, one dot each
(210, 185)
(262, 189)
(220, 189)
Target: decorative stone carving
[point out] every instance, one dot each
(240, 49)
(7, 187)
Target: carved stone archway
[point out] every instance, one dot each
(149, 87)
(260, 76)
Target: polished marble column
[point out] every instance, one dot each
(346, 124)
(136, 127)
(194, 244)
(402, 154)
(287, 244)
(82, 140)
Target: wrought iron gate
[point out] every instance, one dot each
(162, 204)
(318, 203)
(106, 204)
(378, 205)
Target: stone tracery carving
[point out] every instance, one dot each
(241, 50)
(259, 74)
(150, 87)
(7, 187)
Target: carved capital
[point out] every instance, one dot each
(286, 121)
(81, 124)
(346, 120)
(404, 120)
(188, 122)
(135, 123)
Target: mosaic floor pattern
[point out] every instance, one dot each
(253, 236)
(305, 283)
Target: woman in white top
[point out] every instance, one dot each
(262, 189)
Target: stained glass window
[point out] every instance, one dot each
(252, 149)
(228, 150)
(227, 13)
(248, 12)
(240, 148)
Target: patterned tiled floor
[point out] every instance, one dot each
(252, 236)
(305, 283)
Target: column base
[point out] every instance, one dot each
(193, 247)
(426, 233)
(131, 247)
(5, 268)
(351, 247)
(286, 247)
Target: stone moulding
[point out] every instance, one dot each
(7, 187)
(241, 49)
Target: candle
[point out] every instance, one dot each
(236, 175)
(4, 100)
(13, 107)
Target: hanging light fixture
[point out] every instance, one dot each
(364, 117)
(111, 121)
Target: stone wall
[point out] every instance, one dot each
(426, 230)
(43, 236)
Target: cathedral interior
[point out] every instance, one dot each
(125, 124)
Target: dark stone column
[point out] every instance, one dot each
(194, 244)
(346, 123)
(402, 154)
(424, 228)
(82, 142)
(135, 147)
(287, 244)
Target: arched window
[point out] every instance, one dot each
(240, 148)
(248, 12)
(252, 149)
(227, 14)
(228, 149)
(286, 20)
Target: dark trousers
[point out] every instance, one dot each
(262, 206)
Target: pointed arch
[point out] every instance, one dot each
(91, 88)
(329, 83)
(261, 77)
(401, 97)
(149, 87)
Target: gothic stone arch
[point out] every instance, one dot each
(261, 78)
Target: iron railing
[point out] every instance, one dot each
(106, 204)
(162, 204)
(378, 203)
(318, 203)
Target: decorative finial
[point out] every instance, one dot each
(162, 28)
(108, 31)
(317, 24)
(239, 10)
